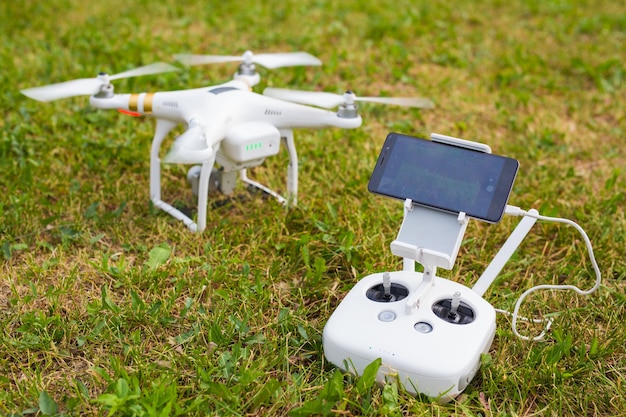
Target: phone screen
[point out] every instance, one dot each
(445, 177)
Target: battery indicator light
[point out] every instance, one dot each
(253, 146)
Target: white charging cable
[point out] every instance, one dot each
(516, 211)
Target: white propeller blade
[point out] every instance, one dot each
(156, 68)
(330, 100)
(314, 98)
(189, 148)
(90, 86)
(291, 59)
(80, 87)
(419, 102)
(271, 61)
(191, 59)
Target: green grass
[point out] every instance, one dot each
(108, 305)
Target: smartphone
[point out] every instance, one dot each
(444, 177)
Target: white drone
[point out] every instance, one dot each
(229, 127)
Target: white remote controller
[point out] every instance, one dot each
(432, 346)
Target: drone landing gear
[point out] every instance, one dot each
(292, 173)
(163, 127)
(205, 179)
(203, 184)
(224, 181)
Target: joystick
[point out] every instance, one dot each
(387, 292)
(454, 310)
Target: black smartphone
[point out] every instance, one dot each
(445, 177)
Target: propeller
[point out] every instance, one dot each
(330, 100)
(190, 147)
(271, 61)
(91, 86)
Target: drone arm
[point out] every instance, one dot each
(115, 102)
(142, 103)
(293, 115)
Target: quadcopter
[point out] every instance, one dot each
(229, 128)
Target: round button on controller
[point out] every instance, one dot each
(386, 316)
(423, 327)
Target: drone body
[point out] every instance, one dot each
(229, 128)
(212, 112)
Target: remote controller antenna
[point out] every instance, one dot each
(454, 304)
(387, 286)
